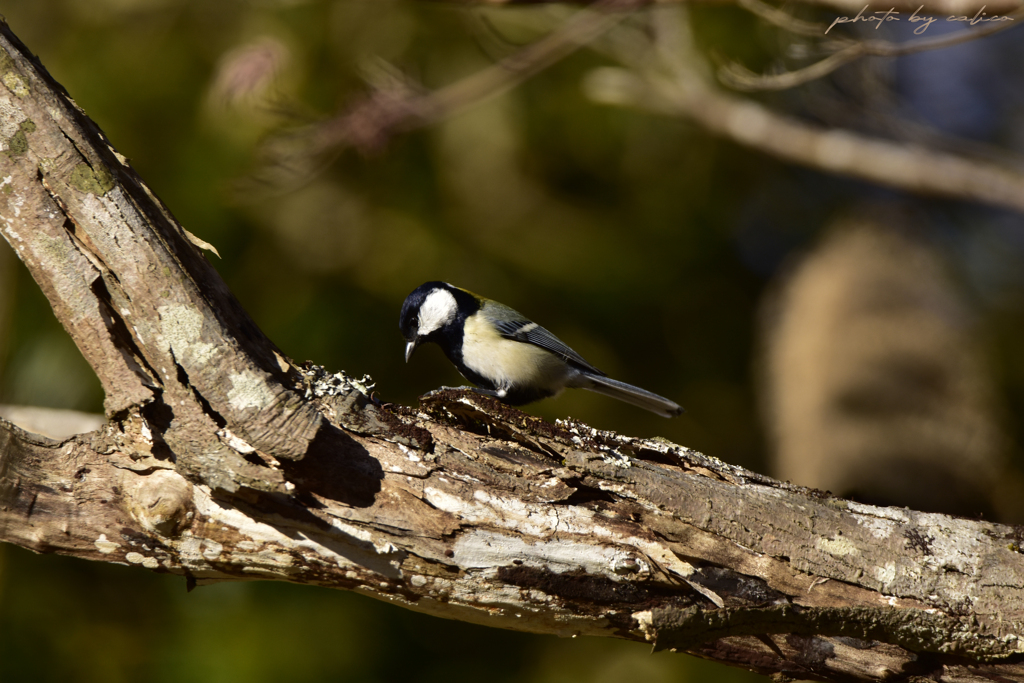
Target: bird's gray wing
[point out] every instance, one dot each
(520, 329)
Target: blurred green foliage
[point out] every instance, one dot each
(641, 241)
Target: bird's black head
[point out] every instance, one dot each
(431, 310)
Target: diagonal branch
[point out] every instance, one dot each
(95, 238)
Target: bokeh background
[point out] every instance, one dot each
(662, 254)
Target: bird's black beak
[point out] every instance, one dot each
(410, 347)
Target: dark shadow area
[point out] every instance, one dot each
(335, 467)
(159, 415)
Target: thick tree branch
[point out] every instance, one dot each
(504, 520)
(222, 461)
(147, 311)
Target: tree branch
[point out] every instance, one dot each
(221, 460)
(668, 79)
(665, 77)
(149, 314)
(398, 105)
(843, 51)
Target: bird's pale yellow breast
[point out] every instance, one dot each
(508, 363)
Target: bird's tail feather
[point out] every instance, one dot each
(630, 394)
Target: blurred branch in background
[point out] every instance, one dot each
(664, 73)
(396, 104)
(841, 51)
(247, 75)
(667, 76)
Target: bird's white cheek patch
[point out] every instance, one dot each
(438, 308)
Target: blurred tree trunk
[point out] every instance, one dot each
(222, 460)
(873, 363)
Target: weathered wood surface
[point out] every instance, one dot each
(221, 460)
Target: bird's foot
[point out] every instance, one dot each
(440, 390)
(491, 393)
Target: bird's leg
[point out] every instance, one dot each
(488, 392)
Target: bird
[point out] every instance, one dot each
(508, 356)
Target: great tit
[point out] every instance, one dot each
(504, 353)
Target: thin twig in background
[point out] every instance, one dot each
(666, 74)
(370, 123)
(738, 77)
(397, 104)
(676, 87)
(783, 19)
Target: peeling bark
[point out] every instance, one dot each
(221, 460)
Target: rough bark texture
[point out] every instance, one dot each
(221, 460)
